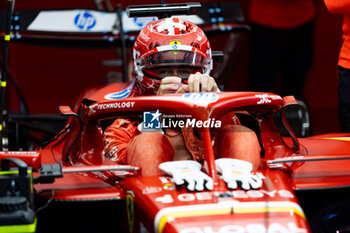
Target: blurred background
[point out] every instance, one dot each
(49, 76)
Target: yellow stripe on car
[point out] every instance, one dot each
(339, 138)
(223, 208)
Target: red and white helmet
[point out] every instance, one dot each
(169, 42)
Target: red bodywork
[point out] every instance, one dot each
(155, 204)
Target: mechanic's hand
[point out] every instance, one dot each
(169, 85)
(236, 172)
(187, 172)
(199, 83)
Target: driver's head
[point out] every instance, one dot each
(170, 47)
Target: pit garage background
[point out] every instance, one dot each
(49, 76)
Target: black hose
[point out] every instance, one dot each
(4, 64)
(123, 46)
(78, 135)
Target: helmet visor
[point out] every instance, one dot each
(174, 58)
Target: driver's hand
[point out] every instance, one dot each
(169, 85)
(199, 83)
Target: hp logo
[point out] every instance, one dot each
(85, 21)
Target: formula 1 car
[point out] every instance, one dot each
(154, 204)
(70, 186)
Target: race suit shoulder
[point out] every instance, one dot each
(116, 138)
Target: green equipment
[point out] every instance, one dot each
(16, 197)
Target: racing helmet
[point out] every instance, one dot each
(169, 42)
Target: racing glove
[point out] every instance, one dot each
(236, 172)
(187, 172)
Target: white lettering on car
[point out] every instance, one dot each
(204, 196)
(19, 152)
(200, 98)
(290, 227)
(265, 98)
(239, 194)
(165, 199)
(116, 105)
(186, 197)
(150, 190)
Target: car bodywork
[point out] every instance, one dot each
(155, 204)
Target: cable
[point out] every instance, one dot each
(78, 135)
(7, 38)
(47, 203)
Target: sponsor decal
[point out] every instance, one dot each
(201, 98)
(92, 108)
(121, 94)
(118, 95)
(144, 36)
(75, 20)
(150, 190)
(126, 104)
(202, 196)
(263, 99)
(166, 199)
(266, 99)
(257, 194)
(174, 44)
(85, 21)
(156, 120)
(19, 152)
(237, 194)
(274, 227)
(186, 197)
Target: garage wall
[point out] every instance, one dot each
(49, 76)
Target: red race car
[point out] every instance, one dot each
(154, 204)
